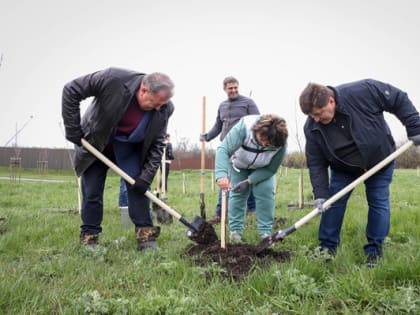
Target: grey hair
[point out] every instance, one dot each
(229, 79)
(157, 82)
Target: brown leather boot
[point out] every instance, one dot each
(146, 237)
(90, 240)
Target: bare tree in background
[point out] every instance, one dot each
(297, 160)
(301, 199)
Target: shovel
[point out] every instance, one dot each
(223, 222)
(203, 162)
(199, 231)
(280, 235)
(161, 215)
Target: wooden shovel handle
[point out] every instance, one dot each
(128, 178)
(356, 182)
(163, 168)
(223, 221)
(203, 146)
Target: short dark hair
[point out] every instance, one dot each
(314, 95)
(157, 82)
(229, 79)
(273, 128)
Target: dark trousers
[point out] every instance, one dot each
(93, 184)
(122, 197)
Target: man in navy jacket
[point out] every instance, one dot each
(347, 134)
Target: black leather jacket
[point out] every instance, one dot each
(112, 90)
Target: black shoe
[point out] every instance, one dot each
(147, 245)
(372, 260)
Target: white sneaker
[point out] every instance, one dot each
(265, 235)
(235, 237)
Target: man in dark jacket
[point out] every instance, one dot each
(346, 132)
(127, 122)
(169, 157)
(229, 113)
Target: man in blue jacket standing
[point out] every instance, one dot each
(347, 134)
(127, 122)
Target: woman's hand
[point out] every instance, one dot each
(223, 183)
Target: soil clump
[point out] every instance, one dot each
(236, 261)
(205, 235)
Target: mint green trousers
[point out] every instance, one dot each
(264, 203)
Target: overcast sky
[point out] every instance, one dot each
(273, 47)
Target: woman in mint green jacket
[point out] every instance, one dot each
(250, 155)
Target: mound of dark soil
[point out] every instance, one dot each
(236, 260)
(205, 234)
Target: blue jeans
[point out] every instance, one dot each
(377, 194)
(122, 197)
(250, 203)
(93, 184)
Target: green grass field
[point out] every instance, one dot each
(43, 270)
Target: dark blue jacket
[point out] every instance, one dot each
(363, 102)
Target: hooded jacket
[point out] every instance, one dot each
(251, 155)
(262, 161)
(112, 90)
(363, 103)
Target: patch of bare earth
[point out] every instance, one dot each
(236, 260)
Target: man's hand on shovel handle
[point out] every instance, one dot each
(140, 186)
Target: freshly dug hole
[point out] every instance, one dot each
(236, 260)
